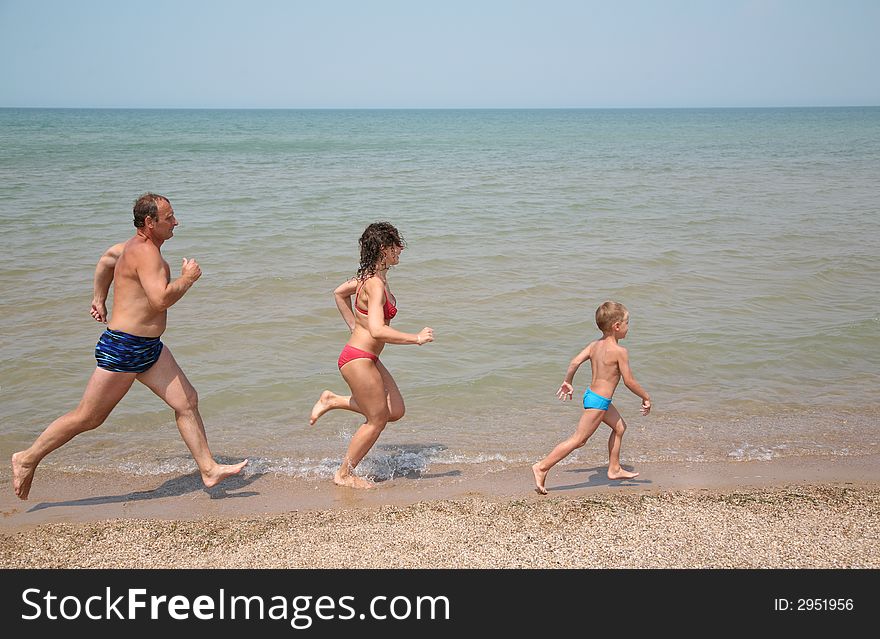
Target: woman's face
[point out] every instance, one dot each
(391, 254)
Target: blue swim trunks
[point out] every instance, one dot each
(593, 400)
(120, 352)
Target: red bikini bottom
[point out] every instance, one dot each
(350, 352)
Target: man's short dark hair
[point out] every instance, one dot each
(146, 206)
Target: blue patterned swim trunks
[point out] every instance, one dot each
(120, 352)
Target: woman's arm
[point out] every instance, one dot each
(342, 295)
(376, 319)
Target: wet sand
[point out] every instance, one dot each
(818, 512)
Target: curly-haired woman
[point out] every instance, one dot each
(374, 393)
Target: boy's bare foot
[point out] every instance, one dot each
(621, 474)
(321, 406)
(22, 476)
(352, 481)
(221, 472)
(540, 475)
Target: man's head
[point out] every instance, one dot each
(146, 206)
(154, 214)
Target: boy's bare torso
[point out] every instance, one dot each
(604, 360)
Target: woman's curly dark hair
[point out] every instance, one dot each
(377, 236)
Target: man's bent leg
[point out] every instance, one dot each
(167, 380)
(104, 390)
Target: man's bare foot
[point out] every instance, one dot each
(221, 472)
(321, 406)
(540, 475)
(621, 474)
(22, 476)
(352, 481)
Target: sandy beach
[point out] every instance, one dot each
(786, 513)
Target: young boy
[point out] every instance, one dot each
(610, 363)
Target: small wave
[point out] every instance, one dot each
(383, 463)
(749, 452)
(175, 466)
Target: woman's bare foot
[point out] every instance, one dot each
(321, 406)
(221, 472)
(620, 473)
(540, 475)
(22, 476)
(352, 481)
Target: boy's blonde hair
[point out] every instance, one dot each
(608, 313)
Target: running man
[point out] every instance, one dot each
(130, 348)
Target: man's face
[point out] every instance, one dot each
(163, 227)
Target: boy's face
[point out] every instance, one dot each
(622, 327)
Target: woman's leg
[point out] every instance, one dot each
(368, 391)
(330, 401)
(396, 407)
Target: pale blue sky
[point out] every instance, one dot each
(439, 54)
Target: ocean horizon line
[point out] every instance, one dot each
(460, 108)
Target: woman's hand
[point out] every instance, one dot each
(425, 335)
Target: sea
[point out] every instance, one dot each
(744, 243)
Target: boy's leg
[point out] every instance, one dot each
(618, 427)
(168, 382)
(587, 425)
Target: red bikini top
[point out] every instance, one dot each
(389, 309)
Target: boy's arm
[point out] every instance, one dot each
(630, 381)
(103, 280)
(566, 389)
